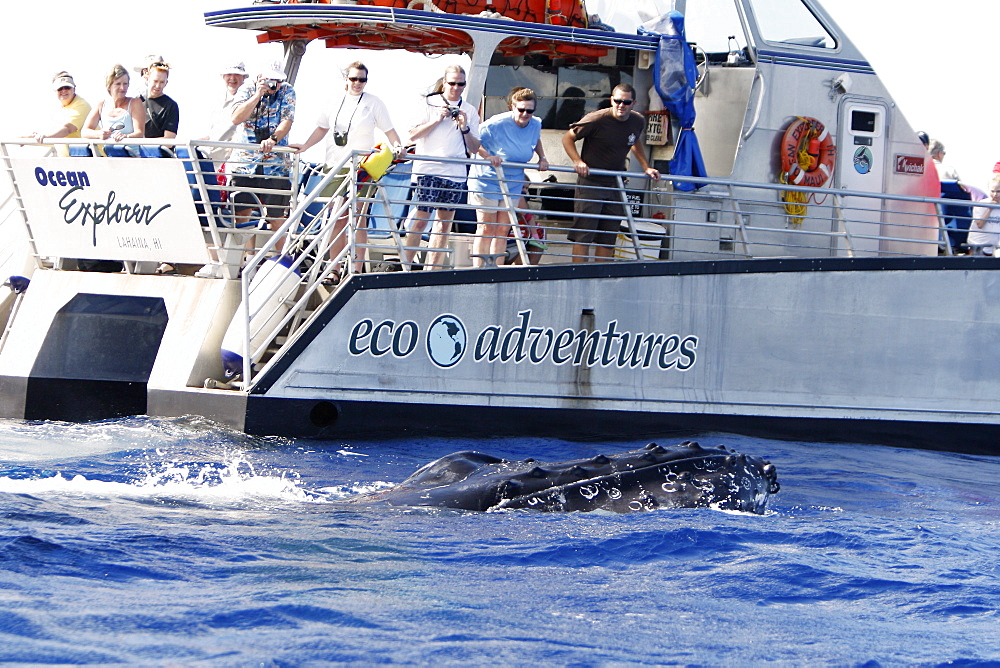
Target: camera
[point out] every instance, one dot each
(260, 134)
(273, 84)
(340, 138)
(454, 111)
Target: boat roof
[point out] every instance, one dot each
(374, 27)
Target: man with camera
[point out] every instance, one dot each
(450, 129)
(265, 108)
(353, 116)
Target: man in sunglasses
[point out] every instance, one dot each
(350, 120)
(449, 129)
(349, 124)
(608, 136)
(162, 112)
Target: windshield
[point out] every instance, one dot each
(627, 16)
(714, 25)
(791, 22)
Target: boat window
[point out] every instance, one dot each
(791, 22)
(564, 93)
(711, 23)
(863, 121)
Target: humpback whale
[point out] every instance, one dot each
(682, 476)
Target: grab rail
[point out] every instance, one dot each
(720, 219)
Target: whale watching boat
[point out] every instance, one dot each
(791, 275)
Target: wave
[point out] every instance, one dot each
(225, 482)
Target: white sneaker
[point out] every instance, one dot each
(208, 271)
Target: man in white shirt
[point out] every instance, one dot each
(353, 116)
(450, 129)
(223, 128)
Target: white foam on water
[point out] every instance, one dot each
(27, 441)
(231, 481)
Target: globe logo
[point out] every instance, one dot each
(446, 339)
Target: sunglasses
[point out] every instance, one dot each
(358, 79)
(62, 88)
(524, 111)
(625, 102)
(455, 83)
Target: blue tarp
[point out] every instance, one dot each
(676, 75)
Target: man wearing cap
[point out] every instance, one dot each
(223, 128)
(72, 114)
(265, 109)
(162, 113)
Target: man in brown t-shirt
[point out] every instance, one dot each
(608, 135)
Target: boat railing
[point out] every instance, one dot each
(229, 238)
(357, 229)
(342, 221)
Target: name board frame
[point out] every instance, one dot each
(130, 209)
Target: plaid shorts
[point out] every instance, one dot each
(435, 192)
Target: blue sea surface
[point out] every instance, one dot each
(152, 541)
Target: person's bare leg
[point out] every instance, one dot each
(498, 237)
(581, 252)
(603, 253)
(275, 222)
(438, 238)
(481, 243)
(339, 241)
(414, 226)
(360, 250)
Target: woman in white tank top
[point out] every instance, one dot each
(118, 116)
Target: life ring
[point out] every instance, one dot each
(807, 153)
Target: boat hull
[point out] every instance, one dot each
(878, 350)
(890, 350)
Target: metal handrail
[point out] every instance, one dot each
(680, 225)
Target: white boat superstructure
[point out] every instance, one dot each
(738, 300)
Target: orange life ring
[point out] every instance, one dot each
(808, 153)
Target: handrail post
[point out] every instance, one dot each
(628, 216)
(943, 230)
(245, 313)
(512, 215)
(739, 223)
(352, 219)
(839, 213)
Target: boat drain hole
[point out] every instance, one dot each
(323, 414)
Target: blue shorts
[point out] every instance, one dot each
(438, 193)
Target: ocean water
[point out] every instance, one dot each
(177, 542)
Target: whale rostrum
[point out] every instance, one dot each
(682, 476)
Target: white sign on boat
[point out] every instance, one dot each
(108, 209)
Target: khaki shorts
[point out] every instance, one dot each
(480, 199)
(597, 201)
(366, 189)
